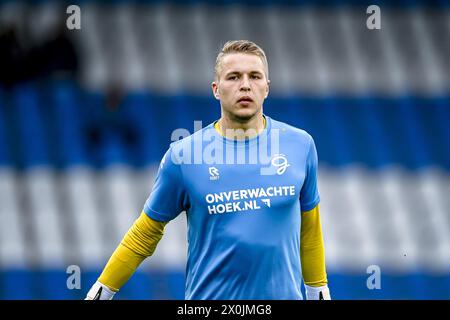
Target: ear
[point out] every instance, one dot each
(215, 89)
(267, 88)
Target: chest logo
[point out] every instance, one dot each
(213, 173)
(280, 162)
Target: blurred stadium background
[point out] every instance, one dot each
(86, 115)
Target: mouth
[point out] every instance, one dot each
(245, 100)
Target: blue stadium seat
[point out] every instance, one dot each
(17, 284)
(32, 137)
(439, 130)
(105, 144)
(139, 112)
(52, 285)
(5, 157)
(139, 287)
(66, 117)
(176, 281)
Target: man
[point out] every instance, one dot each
(253, 226)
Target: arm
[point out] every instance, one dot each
(138, 243)
(167, 199)
(312, 255)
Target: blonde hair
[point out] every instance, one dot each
(240, 46)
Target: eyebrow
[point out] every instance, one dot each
(239, 72)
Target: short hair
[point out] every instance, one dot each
(240, 46)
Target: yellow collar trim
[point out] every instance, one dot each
(217, 127)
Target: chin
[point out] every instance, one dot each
(244, 114)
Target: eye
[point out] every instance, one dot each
(256, 76)
(232, 77)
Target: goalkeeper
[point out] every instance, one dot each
(254, 229)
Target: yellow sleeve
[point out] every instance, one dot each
(312, 252)
(138, 243)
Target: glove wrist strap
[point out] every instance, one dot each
(317, 293)
(100, 292)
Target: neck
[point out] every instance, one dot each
(236, 130)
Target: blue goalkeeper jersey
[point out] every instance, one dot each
(243, 200)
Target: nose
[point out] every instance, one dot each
(245, 84)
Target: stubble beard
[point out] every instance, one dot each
(236, 117)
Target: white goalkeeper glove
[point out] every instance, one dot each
(100, 292)
(317, 293)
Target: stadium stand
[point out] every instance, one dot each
(79, 150)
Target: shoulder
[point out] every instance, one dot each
(292, 133)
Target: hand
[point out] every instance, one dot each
(99, 292)
(317, 293)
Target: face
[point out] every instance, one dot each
(242, 86)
